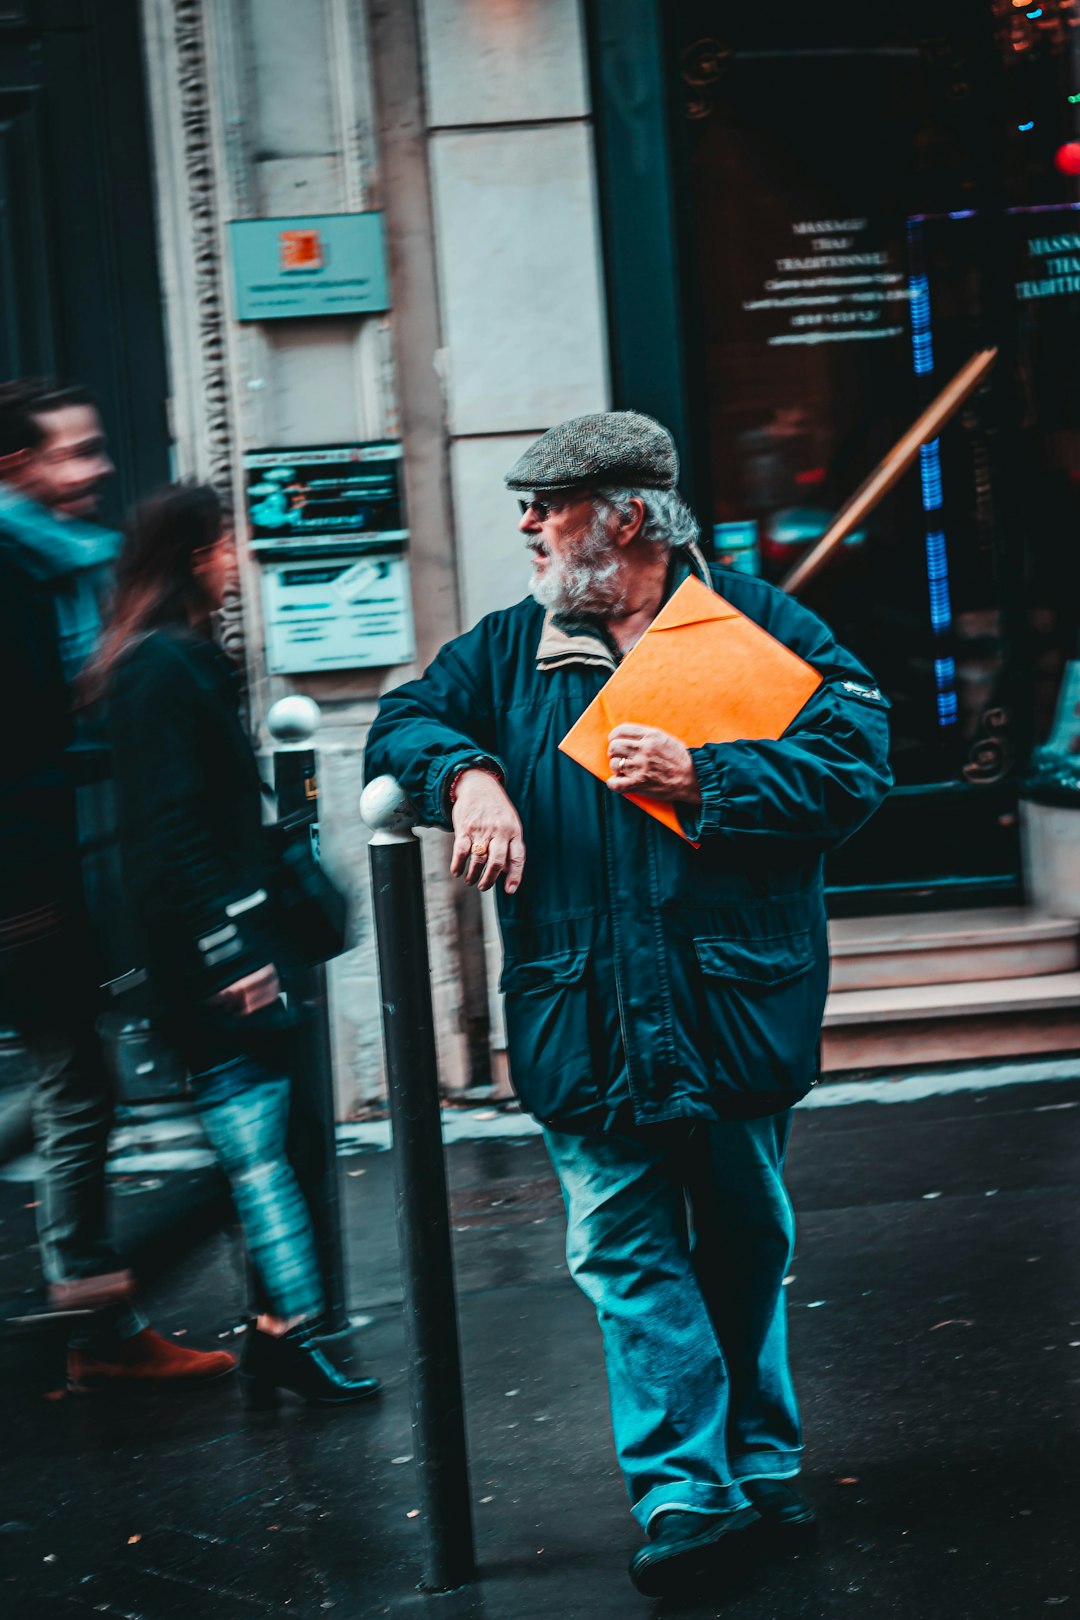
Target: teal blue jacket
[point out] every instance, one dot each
(646, 980)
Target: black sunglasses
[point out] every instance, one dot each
(543, 508)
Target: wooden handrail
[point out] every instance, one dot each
(892, 467)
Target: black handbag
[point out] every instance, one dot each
(311, 914)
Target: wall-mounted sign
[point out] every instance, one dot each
(347, 495)
(337, 613)
(324, 264)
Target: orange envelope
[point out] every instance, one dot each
(703, 672)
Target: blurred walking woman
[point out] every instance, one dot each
(199, 873)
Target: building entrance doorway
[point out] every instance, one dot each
(863, 198)
(79, 290)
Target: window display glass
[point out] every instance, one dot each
(874, 195)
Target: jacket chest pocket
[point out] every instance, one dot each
(547, 1028)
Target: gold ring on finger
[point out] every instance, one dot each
(479, 849)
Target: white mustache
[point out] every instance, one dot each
(584, 580)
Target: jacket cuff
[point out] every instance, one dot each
(437, 807)
(699, 820)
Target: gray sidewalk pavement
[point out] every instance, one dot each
(935, 1320)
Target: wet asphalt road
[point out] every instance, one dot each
(935, 1319)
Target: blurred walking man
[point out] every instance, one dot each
(663, 1002)
(55, 565)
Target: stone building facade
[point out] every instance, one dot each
(468, 126)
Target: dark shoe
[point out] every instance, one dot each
(272, 1362)
(689, 1551)
(148, 1361)
(787, 1519)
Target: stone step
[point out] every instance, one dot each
(945, 1023)
(950, 947)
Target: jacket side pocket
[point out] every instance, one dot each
(547, 1030)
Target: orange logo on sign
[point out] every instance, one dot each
(300, 250)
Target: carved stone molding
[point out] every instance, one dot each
(203, 213)
(210, 452)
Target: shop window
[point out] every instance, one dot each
(872, 195)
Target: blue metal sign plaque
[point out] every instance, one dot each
(346, 496)
(322, 264)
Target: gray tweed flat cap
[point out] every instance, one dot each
(611, 447)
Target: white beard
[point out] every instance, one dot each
(585, 581)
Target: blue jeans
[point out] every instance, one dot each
(681, 1236)
(244, 1109)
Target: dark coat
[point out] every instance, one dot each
(197, 865)
(47, 975)
(644, 978)
(52, 573)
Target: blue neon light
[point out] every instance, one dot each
(931, 488)
(937, 574)
(930, 475)
(922, 342)
(945, 680)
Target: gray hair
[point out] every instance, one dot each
(668, 520)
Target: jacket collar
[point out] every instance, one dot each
(566, 640)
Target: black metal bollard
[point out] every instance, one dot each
(423, 1218)
(292, 722)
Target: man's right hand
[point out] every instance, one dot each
(252, 993)
(488, 843)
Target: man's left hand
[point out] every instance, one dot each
(649, 761)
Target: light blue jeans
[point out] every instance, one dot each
(681, 1236)
(244, 1110)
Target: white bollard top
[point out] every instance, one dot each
(294, 720)
(388, 811)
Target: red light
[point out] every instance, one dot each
(1067, 158)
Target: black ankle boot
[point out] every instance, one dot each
(272, 1362)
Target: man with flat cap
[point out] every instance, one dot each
(663, 1001)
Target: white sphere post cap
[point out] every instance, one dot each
(294, 719)
(388, 810)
